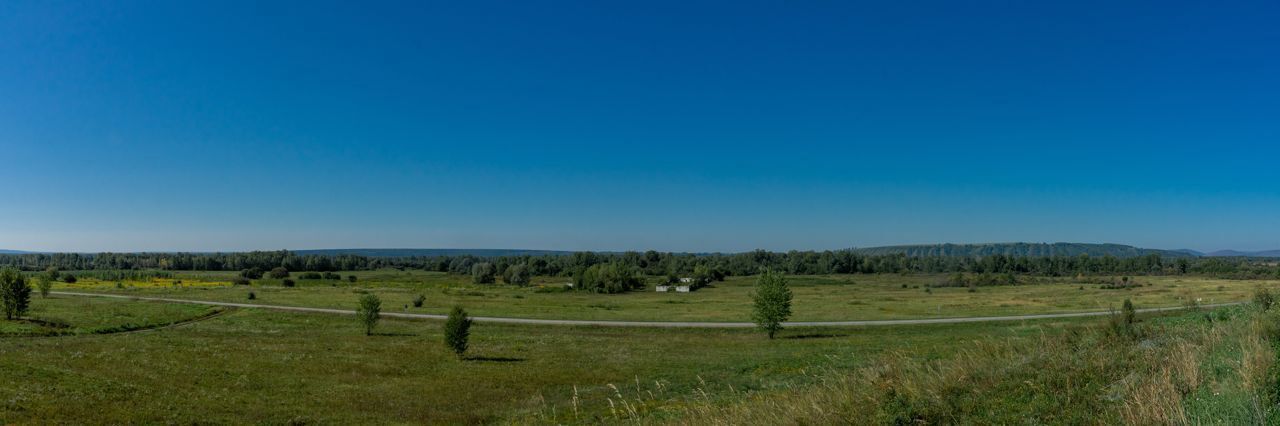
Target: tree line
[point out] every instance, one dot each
(655, 263)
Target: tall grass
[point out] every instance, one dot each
(1169, 372)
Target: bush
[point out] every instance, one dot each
(240, 281)
(332, 276)
(69, 279)
(418, 301)
(288, 283)
(1130, 314)
(351, 278)
(44, 284)
(518, 274)
(610, 278)
(252, 296)
(252, 274)
(482, 273)
(1263, 298)
(279, 273)
(457, 330)
(370, 312)
(311, 276)
(15, 294)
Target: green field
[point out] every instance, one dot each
(817, 298)
(322, 368)
(122, 361)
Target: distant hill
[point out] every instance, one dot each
(2, 251)
(430, 252)
(1021, 250)
(1236, 253)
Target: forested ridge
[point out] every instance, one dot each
(657, 263)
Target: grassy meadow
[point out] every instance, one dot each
(90, 360)
(817, 298)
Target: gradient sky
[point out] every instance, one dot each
(683, 126)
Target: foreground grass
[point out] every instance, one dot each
(251, 366)
(1195, 368)
(817, 298)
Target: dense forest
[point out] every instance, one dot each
(656, 263)
(1023, 250)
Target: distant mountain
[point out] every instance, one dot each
(1021, 250)
(1190, 252)
(13, 252)
(1236, 253)
(430, 252)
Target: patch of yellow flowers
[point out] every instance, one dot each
(152, 283)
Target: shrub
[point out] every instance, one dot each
(252, 296)
(279, 272)
(1263, 298)
(772, 302)
(44, 284)
(457, 330)
(351, 278)
(252, 273)
(482, 273)
(518, 274)
(15, 294)
(69, 279)
(311, 276)
(332, 276)
(288, 283)
(1130, 314)
(610, 278)
(418, 301)
(370, 311)
(240, 281)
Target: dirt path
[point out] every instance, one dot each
(672, 324)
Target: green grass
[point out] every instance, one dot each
(817, 298)
(254, 366)
(61, 315)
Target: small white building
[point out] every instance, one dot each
(662, 288)
(682, 289)
(686, 280)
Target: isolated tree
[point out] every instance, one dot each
(772, 302)
(482, 273)
(251, 273)
(15, 294)
(52, 273)
(517, 274)
(370, 312)
(418, 301)
(457, 329)
(44, 284)
(279, 272)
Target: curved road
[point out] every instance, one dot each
(673, 324)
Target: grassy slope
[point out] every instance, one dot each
(1195, 368)
(817, 298)
(77, 315)
(260, 366)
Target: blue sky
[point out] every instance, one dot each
(684, 126)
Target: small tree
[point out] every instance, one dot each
(482, 273)
(370, 312)
(418, 301)
(1130, 314)
(517, 274)
(44, 284)
(1263, 298)
(457, 329)
(772, 302)
(279, 272)
(15, 294)
(351, 278)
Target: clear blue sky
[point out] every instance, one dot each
(699, 126)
